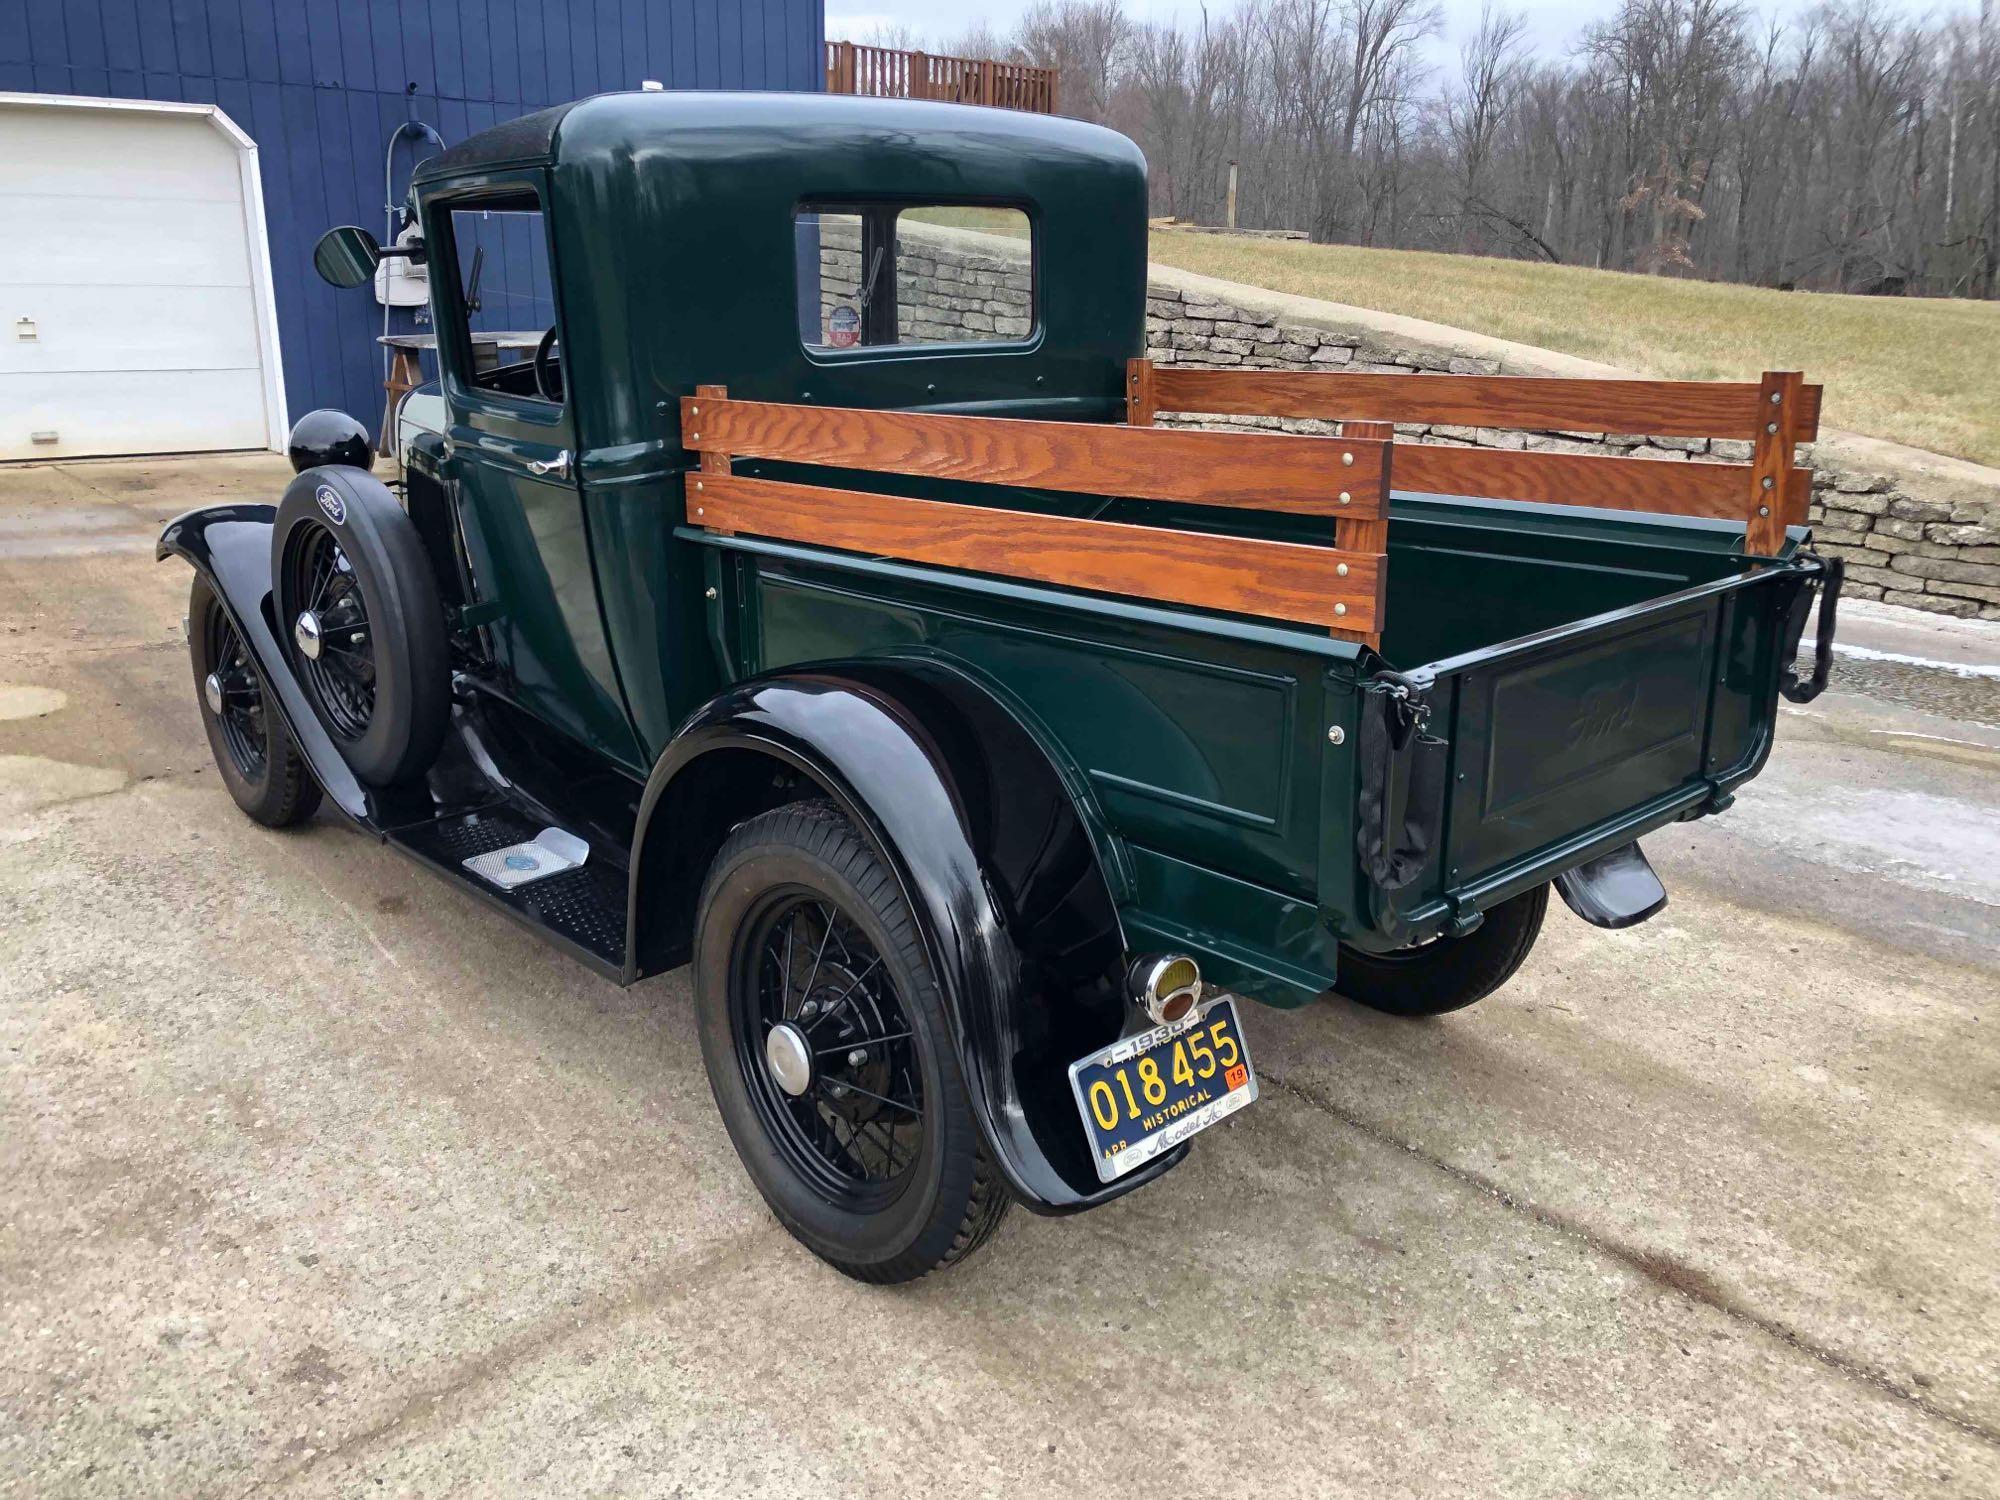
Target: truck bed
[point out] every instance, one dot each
(1594, 678)
(1593, 670)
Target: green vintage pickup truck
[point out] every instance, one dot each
(839, 602)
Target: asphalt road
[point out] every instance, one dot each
(320, 1179)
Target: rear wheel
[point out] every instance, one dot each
(825, 1042)
(259, 763)
(1448, 973)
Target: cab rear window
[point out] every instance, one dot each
(876, 274)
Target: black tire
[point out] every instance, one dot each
(342, 548)
(254, 751)
(1449, 973)
(898, 1222)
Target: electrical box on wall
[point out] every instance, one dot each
(401, 281)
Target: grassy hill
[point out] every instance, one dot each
(1919, 371)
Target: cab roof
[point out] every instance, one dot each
(754, 128)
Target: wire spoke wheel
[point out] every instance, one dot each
(830, 1051)
(339, 671)
(261, 767)
(355, 596)
(241, 712)
(827, 1050)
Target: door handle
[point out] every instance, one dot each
(558, 466)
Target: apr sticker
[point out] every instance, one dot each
(332, 504)
(843, 327)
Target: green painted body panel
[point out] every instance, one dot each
(1205, 743)
(1212, 757)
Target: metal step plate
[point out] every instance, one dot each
(550, 852)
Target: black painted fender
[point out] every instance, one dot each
(996, 843)
(230, 545)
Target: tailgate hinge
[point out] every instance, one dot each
(1825, 580)
(1402, 765)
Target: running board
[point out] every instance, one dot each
(579, 907)
(550, 852)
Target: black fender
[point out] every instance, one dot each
(998, 847)
(230, 546)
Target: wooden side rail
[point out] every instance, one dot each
(1774, 415)
(1718, 491)
(1666, 408)
(1339, 588)
(1256, 471)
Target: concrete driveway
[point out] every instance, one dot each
(322, 1179)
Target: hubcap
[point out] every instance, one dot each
(335, 642)
(231, 693)
(307, 633)
(789, 1056)
(827, 1050)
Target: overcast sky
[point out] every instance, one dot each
(1551, 25)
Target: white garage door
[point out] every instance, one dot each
(134, 283)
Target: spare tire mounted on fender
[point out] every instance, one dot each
(358, 610)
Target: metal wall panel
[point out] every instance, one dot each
(320, 87)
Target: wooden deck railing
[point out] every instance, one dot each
(890, 73)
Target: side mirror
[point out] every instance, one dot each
(347, 256)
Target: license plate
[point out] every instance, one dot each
(1148, 1093)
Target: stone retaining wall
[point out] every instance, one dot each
(1935, 553)
(1932, 544)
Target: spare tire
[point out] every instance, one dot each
(358, 609)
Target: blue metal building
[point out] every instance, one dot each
(322, 85)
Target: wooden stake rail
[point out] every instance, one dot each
(1338, 587)
(1774, 415)
(1253, 471)
(1664, 408)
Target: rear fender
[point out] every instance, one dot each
(230, 546)
(995, 844)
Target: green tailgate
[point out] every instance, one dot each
(1575, 738)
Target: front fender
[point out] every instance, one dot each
(230, 545)
(993, 850)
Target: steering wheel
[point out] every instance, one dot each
(548, 375)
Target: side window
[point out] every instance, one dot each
(872, 274)
(507, 293)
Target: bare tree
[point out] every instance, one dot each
(1381, 35)
(1847, 145)
(1083, 41)
(1488, 85)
